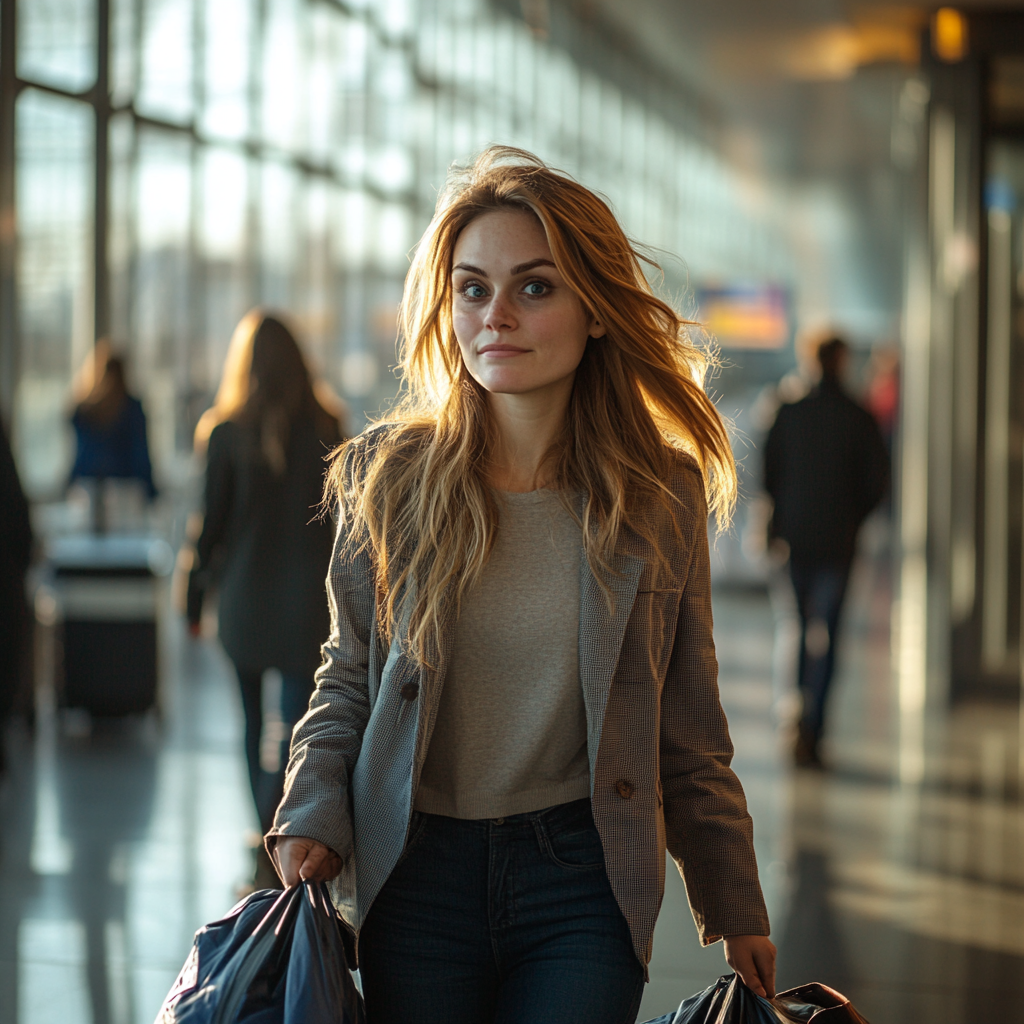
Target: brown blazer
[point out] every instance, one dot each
(657, 736)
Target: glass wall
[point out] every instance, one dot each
(289, 152)
(54, 145)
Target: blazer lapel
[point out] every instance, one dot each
(431, 680)
(600, 638)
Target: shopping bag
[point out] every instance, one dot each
(729, 1001)
(276, 958)
(818, 1003)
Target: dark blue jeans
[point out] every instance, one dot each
(503, 921)
(819, 596)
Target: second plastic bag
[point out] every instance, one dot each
(277, 958)
(729, 1001)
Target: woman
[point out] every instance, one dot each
(265, 440)
(518, 707)
(110, 426)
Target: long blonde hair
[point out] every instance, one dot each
(420, 500)
(266, 384)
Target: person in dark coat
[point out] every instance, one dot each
(110, 426)
(825, 468)
(263, 542)
(15, 554)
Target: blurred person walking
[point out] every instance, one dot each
(262, 543)
(825, 468)
(518, 709)
(15, 555)
(110, 425)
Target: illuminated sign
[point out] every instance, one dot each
(745, 316)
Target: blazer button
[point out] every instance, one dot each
(625, 789)
(410, 691)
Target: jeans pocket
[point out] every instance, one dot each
(575, 845)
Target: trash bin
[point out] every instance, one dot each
(106, 590)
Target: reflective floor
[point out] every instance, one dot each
(908, 899)
(121, 839)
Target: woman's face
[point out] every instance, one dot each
(520, 328)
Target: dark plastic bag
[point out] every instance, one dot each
(277, 958)
(818, 1003)
(729, 1001)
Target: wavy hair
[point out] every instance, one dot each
(417, 494)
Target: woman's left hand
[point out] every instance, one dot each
(752, 957)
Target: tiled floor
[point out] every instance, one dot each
(120, 840)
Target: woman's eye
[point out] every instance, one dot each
(473, 291)
(536, 288)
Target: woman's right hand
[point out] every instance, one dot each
(300, 859)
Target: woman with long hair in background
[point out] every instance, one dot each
(518, 709)
(265, 440)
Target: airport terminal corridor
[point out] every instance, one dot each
(786, 239)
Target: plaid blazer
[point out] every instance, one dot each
(656, 734)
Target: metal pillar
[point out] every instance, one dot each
(9, 346)
(101, 106)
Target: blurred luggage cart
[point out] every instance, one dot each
(106, 589)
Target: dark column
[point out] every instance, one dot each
(101, 105)
(8, 299)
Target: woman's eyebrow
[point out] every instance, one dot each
(520, 268)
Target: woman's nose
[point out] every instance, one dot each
(499, 315)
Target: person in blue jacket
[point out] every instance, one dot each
(110, 427)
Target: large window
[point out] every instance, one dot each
(288, 152)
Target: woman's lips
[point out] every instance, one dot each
(501, 351)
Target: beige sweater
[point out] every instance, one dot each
(511, 731)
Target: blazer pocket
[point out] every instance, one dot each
(658, 583)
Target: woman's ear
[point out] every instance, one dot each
(596, 329)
